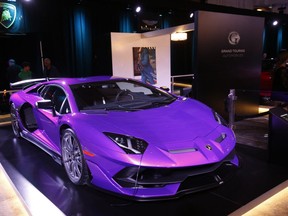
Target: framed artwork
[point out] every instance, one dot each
(144, 63)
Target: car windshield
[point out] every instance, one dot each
(118, 95)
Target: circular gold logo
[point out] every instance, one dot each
(234, 38)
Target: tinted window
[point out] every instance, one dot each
(58, 98)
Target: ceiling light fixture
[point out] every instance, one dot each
(138, 9)
(179, 36)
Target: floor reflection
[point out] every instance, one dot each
(19, 156)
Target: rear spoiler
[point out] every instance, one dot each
(29, 82)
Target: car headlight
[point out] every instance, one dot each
(129, 144)
(220, 119)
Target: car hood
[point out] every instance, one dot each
(168, 126)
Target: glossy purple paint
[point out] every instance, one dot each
(184, 142)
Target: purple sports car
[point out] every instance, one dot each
(124, 136)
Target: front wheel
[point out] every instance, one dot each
(73, 159)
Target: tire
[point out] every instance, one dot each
(14, 120)
(73, 159)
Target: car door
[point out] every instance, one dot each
(48, 119)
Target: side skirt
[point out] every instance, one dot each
(26, 135)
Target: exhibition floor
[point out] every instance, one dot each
(46, 190)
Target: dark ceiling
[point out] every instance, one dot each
(154, 5)
(157, 6)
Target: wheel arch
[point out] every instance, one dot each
(25, 115)
(62, 128)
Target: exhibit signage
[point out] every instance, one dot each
(8, 14)
(11, 17)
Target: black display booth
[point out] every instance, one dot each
(228, 55)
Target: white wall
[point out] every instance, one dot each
(122, 55)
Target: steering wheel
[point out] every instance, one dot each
(124, 92)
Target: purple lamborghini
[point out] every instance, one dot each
(124, 136)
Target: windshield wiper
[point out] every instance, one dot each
(121, 108)
(94, 110)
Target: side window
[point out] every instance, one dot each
(58, 98)
(48, 92)
(65, 107)
(39, 90)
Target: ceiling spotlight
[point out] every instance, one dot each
(275, 23)
(191, 15)
(138, 9)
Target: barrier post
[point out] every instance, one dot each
(231, 107)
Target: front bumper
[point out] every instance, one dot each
(165, 183)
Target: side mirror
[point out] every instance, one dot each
(44, 104)
(165, 88)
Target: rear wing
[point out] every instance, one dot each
(29, 82)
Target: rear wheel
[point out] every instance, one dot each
(14, 120)
(73, 159)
